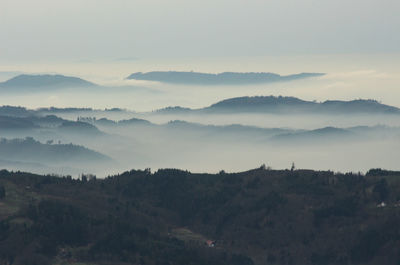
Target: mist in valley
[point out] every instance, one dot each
(205, 142)
(147, 124)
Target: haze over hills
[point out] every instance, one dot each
(255, 104)
(226, 78)
(331, 134)
(180, 127)
(49, 122)
(30, 150)
(50, 157)
(290, 105)
(44, 82)
(15, 111)
(88, 127)
(219, 136)
(226, 133)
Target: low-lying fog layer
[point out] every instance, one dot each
(281, 121)
(236, 149)
(115, 146)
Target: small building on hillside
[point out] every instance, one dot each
(381, 205)
(210, 243)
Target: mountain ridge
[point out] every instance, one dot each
(45, 81)
(225, 78)
(289, 105)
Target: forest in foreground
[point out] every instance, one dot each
(261, 216)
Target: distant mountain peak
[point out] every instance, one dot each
(45, 81)
(225, 78)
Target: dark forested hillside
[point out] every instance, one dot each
(261, 216)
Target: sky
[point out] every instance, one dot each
(85, 30)
(355, 42)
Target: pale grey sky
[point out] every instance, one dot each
(110, 29)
